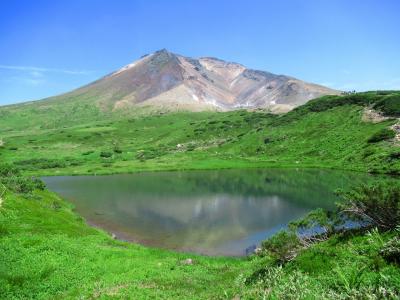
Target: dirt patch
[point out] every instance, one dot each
(372, 116)
(2, 192)
(396, 128)
(109, 291)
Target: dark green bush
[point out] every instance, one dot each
(106, 154)
(389, 105)
(88, 152)
(282, 246)
(376, 205)
(12, 179)
(118, 150)
(391, 250)
(41, 163)
(382, 135)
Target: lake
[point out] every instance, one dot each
(220, 212)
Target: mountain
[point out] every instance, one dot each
(167, 80)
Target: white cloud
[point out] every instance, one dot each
(371, 85)
(43, 70)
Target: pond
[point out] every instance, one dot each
(225, 212)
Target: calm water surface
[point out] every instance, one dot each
(208, 212)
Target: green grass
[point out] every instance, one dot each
(48, 252)
(332, 136)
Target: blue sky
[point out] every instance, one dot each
(50, 47)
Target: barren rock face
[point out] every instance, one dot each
(164, 79)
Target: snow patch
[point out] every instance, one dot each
(127, 67)
(131, 65)
(244, 105)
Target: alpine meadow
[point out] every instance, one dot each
(194, 177)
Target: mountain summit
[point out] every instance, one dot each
(171, 81)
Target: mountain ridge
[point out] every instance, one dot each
(174, 82)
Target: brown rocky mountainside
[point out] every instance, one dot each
(167, 80)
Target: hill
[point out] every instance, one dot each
(355, 132)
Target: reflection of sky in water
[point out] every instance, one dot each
(213, 212)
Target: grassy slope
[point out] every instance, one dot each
(332, 138)
(48, 252)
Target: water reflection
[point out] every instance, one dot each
(208, 212)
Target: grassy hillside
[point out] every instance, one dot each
(331, 132)
(48, 252)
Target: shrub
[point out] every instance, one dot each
(118, 150)
(389, 105)
(377, 205)
(282, 246)
(105, 154)
(391, 250)
(41, 163)
(267, 140)
(382, 135)
(12, 179)
(88, 152)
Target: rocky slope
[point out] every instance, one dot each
(167, 80)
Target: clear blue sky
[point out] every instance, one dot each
(49, 47)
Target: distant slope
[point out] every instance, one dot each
(174, 82)
(330, 132)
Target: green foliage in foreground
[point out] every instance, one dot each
(48, 252)
(372, 267)
(367, 206)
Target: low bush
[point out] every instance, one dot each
(88, 152)
(41, 163)
(373, 205)
(391, 250)
(106, 154)
(382, 135)
(11, 178)
(282, 246)
(117, 150)
(389, 105)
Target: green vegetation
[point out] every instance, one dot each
(382, 135)
(335, 261)
(49, 252)
(326, 133)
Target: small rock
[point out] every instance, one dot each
(187, 261)
(258, 250)
(113, 236)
